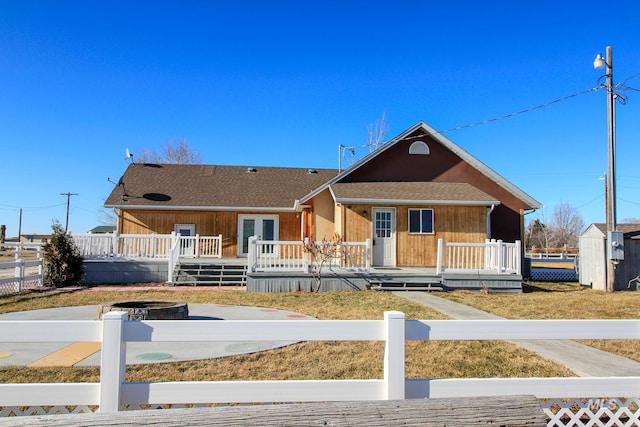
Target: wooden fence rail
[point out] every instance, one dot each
(113, 393)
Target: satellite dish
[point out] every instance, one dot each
(129, 155)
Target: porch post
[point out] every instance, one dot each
(440, 258)
(500, 255)
(114, 244)
(518, 257)
(252, 258)
(368, 254)
(152, 243)
(197, 253)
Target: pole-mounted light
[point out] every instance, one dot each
(615, 249)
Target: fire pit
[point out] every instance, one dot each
(148, 310)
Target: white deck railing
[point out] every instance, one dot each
(278, 255)
(146, 246)
(493, 256)
(113, 393)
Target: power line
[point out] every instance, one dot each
(517, 113)
(7, 207)
(628, 201)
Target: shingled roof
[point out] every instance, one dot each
(411, 192)
(629, 230)
(199, 187)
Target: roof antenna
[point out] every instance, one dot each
(129, 155)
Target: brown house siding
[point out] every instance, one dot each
(208, 223)
(442, 165)
(461, 224)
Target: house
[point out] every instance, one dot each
(35, 238)
(404, 197)
(593, 257)
(101, 229)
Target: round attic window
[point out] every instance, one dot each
(419, 147)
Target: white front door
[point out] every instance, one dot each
(263, 226)
(187, 246)
(384, 237)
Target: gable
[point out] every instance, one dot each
(398, 165)
(445, 162)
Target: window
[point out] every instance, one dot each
(419, 147)
(421, 221)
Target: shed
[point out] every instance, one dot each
(102, 229)
(593, 257)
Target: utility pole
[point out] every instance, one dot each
(615, 239)
(66, 224)
(20, 227)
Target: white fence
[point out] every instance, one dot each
(21, 274)
(112, 393)
(493, 256)
(19, 248)
(278, 255)
(555, 256)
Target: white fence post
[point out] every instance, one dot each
(19, 273)
(41, 271)
(518, 257)
(394, 355)
(112, 361)
(441, 257)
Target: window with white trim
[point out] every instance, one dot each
(421, 221)
(419, 147)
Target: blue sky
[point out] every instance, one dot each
(283, 83)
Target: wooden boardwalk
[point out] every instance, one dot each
(479, 411)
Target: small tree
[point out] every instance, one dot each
(176, 153)
(377, 132)
(536, 235)
(63, 262)
(566, 226)
(321, 253)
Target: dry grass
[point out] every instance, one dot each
(562, 301)
(310, 360)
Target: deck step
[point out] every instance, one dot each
(193, 273)
(426, 284)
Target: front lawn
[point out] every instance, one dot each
(311, 360)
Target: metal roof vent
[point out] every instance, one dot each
(312, 171)
(251, 170)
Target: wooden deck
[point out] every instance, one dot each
(384, 279)
(479, 411)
